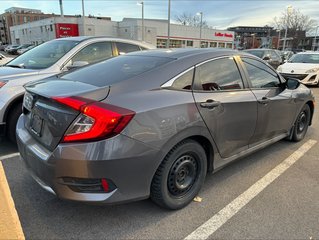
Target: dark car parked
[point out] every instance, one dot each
(153, 123)
(269, 55)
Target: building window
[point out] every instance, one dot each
(24, 19)
(161, 43)
(51, 28)
(213, 44)
(229, 45)
(190, 43)
(221, 45)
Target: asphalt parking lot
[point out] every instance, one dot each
(285, 208)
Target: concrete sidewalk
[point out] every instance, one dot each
(10, 227)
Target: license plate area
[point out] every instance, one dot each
(36, 124)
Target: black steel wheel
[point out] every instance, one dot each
(301, 124)
(180, 176)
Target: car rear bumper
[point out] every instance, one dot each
(129, 164)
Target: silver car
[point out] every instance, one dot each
(153, 123)
(48, 59)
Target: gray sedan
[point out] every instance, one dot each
(152, 124)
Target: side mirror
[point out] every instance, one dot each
(77, 64)
(292, 83)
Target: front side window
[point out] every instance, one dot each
(219, 74)
(124, 48)
(260, 75)
(94, 52)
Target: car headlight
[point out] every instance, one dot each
(313, 70)
(279, 69)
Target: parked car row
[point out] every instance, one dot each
(17, 49)
(173, 115)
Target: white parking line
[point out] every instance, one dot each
(219, 219)
(9, 156)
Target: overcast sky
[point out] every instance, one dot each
(219, 14)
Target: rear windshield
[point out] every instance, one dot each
(115, 70)
(305, 58)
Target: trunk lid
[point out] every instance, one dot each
(46, 119)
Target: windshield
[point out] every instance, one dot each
(115, 70)
(259, 54)
(305, 58)
(44, 55)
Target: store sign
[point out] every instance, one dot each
(227, 35)
(63, 30)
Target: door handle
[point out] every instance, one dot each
(264, 100)
(210, 104)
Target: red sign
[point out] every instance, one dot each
(218, 34)
(63, 30)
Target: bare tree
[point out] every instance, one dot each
(297, 24)
(188, 19)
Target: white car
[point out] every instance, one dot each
(303, 66)
(48, 59)
(4, 59)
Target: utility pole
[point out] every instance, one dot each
(314, 43)
(278, 43)
(289, 9)
(169, 24)
(61, 8)
(83, 16)
(200, 28)
(143, 30)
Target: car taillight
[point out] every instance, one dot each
(96, 121)
(2, 84)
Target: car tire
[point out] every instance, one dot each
(180, 176)
(13, 116)
(301, 124)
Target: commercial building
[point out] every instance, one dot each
(155, 31)
(17, 16)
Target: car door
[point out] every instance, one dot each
(276, 107)
(227, 108)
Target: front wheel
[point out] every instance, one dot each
(301, 124)
(180, 176)
(13, 116)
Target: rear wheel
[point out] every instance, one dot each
(12, 120)
(301, 124)
(180, 176)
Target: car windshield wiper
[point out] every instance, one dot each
(15, 66)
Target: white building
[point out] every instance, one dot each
(155, 32)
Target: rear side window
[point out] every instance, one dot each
(115, 70)
(126, 48)
(260, 75)
(184, 81)
(217, 75)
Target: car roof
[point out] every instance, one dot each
(310, 52)
(178, 53)
(106, 38)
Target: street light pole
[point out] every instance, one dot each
(83, 15)
(200, 27)
(278, 43)
(168, 24)
(314, 43)
(143, 30)
(289, 9)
